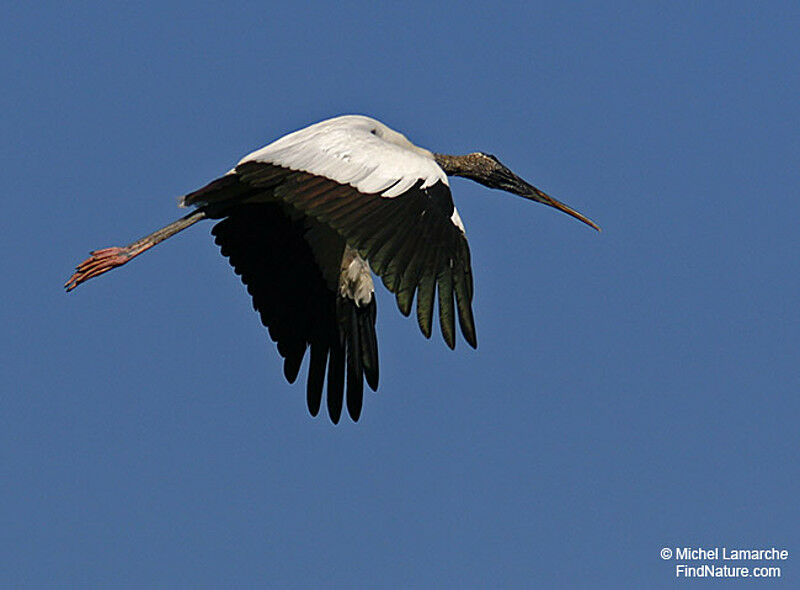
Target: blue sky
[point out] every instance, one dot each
(632, 389)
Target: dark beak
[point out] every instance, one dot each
(514, 184)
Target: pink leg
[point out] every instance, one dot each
(102, 261)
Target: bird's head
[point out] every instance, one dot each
(489, 171)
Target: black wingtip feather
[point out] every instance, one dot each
(405, 305)
(316, 377)
(425, 297)
(355, 378)
(447, 320)
(291, 366)
(335, 397)
(467, 323)
(369, 344)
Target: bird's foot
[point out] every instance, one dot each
(100, 261)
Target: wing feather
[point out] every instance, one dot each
(354, 150)
(385, 198)
(446, 312)
(335, 392)
(316, 376)
(274, 253)
(410, 240)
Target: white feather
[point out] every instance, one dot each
(456, 219)
(355, 150)
(355, 279)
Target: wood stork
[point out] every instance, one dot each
(308, 218)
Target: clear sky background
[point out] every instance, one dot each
(632, 389)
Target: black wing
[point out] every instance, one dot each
(269, 249)
(409, 240)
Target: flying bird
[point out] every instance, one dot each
(306, 220)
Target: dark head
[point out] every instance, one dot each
(489, 171)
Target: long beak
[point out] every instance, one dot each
(528, 191)
(541, 197)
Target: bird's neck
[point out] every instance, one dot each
(469, 165)
(452, 165)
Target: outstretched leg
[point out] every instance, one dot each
(102, 261)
